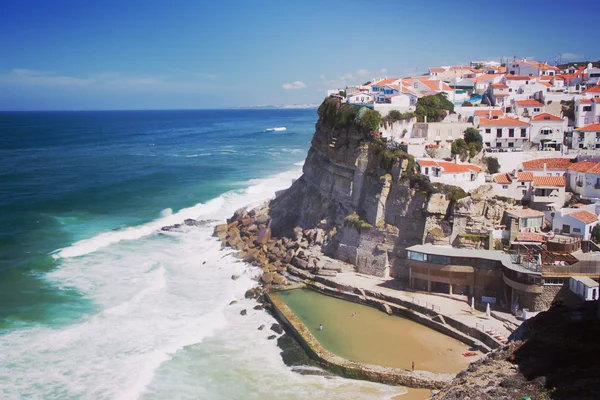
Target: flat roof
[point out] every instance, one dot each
(495, 255)
(587, 281)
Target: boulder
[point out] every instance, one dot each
(192, 222)
(243, 312)
(267, 277)
(303, 254)
(277, 328)
(220, 228)
(279, 279)
(262, 219)
(263, 235)
(324, 272)
(233, 302)
(260, 328)
(297, 262)
(319, 237)
(272, 337)
(289, 255)
(247, 221)
(252, 293)
(258, 307)
(235, 277)
(253, 228)
(238, 215)
(251, 255)
(387, 308)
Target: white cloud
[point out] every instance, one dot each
(322, 76)
(294, 85)
(362, 72)
(572, 57)
(346, 77)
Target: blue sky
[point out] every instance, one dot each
(199, 54)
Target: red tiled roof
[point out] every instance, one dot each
(437, 69)
(525, 213)
(593, 89)
(502, 121)
(502, 178)
(529, 102)
(486, 113)
(431, 84)
(584, 216)
(590, 128)
(551, 163)
(384, 82)
(530, 237)
(548, 84)
(546, 117)
(448, 166)
(591, 167)
(557, 181)
(518, 77)
(501, 94)
(499, 86)
(586, 100)
(525, 176)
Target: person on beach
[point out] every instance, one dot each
(413, 366)
(320, 327)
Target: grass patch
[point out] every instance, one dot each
(354, 221)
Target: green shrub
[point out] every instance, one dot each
(354, 221)
(493, 166)
(371, 120)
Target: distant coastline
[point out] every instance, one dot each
(280, 106)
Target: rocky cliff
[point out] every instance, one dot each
(371, 199)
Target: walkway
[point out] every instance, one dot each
(455, 307)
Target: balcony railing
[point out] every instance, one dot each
(579, 183)
(544, 199)
(524, 287)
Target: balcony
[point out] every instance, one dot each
(544, 199)
(579, 183)
(524, 287)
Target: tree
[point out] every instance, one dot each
(432, 106)
(493, 166)
(472, 149)
(460, 147)
(596, 233)
(343, 93)
(467, 104)
(472, 135)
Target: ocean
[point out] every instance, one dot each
(96, 302)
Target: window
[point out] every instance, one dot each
(498, 144)
(426, 170)
(499, 132)
(524, 192)
(511, 133)
(488, 144)
(523, 132)
(554, 281)
(412, 255)
(416, 85)
(438, 259)
(488, 131)
(504, 186)
(546, 131)
(576, 230)
(598, 145)
(586, 108)
(577, 108)
(510, 90)
(536, 110)
(511, 144)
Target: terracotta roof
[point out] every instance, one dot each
(486, 113)
(448, 166)
(546, 117)
(530, 237)
(431, 84)
(501, 94)
(525, 213)
(502, 121)
(551, 163)
(518, 77)
(584, 216)
(548, 84)
(591, 167)
(590, 128)
(502, 178)
(586, 100)
(593, 89)
(384, 82)
(499, 86)
(437, 69)
(525, 176)
(530, 102)
(557, 181)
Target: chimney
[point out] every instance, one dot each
(440, 84)
(425, 121)
(456, 159)
(544, 168)
(490, 113)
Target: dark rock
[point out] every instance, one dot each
(258, 307)
(252, 293)
(260, 328)
(324, 272)
(267, 277)
(277, 328)
(192, 222)
(233, 302)
(272, 337)
(235, 277)
(297, 262)
(243, 312)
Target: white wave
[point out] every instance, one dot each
(166, 212)
(219, 208)
(276, 129)
(199, 155)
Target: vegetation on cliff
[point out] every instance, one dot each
(469, 146)
(334, 113)
(353, 220)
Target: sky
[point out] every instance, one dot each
(191, 54)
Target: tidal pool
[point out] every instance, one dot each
(367, 335)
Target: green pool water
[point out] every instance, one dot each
(367, 335)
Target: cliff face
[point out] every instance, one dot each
(347, 171)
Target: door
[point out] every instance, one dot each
(566, 228)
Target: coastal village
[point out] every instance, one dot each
(466, 199)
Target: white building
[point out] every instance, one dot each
(541, 191)
(585, 287)
(530, 68)
(583, 178)
(516, 185)
(505, 133)
(360, 98)
(574, 221)
(440, 133)
(587, 111)
(587, 137)
(527, 108)
(467, 176)
(547, 131)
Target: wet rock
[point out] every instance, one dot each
(262, 219)
(233, 302)
(243, 312)
(297, 262)
(277, 328)
(279, 280)
(289, 255)
(192, 222)
(222, 228)
(258, 307)
(324, 272)
(272, 337)
(235, 277)
(386, 308)
(260, 328)
(252, 293)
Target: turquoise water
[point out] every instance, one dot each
(96, 302)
